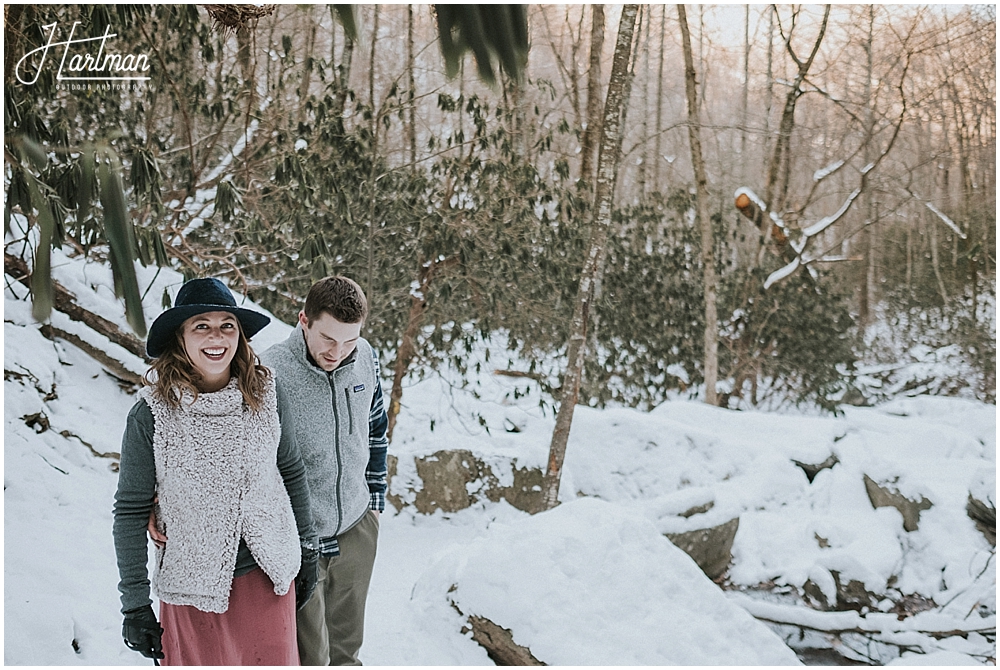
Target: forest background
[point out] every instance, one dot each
(862, 139)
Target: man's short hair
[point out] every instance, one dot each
(339, 297)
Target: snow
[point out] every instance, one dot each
(592, 581)
(619, 577)
(754, 198)
(947, 220)
(828, 170)
(828, 221)
(782, 272)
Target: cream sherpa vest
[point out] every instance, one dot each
(217, 480)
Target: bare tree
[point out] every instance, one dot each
(593, 129)
(659, 101)
(704, 220)
(607, 172)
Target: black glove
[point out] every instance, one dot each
(305, 581)
(142, 633)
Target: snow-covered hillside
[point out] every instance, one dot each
(593, 581)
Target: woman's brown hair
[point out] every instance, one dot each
(175, 373)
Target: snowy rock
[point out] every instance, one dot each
(452, 480)
(813, 470)
(885, 496)
(984, 514)
(710, 548)
(604, 588)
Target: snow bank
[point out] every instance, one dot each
(590, 583)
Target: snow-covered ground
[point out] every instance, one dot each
(593, 581)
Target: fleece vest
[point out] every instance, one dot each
(329, 414)
(217, 480)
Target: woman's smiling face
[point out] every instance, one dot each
(210, 340)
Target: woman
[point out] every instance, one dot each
(203, 444)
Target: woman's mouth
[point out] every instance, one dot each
(214, 354)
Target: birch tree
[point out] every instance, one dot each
(607, 172)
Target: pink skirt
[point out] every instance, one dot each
(257, 629)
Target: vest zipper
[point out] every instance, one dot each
(340, 468)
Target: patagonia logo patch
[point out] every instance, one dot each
(359, 388)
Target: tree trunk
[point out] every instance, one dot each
(868, 244)
(659, 102)
(777, 170)
(307, 75)
(374, 141)
(344, 75)
(704, 219)
(746, 94)
(411, 124)
(607, 171)
(593, 129)
(408, 347)
(769, 94)
(644, 159)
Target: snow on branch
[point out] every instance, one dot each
(828, 170)
(778, 275)
(808, 233)
(828, 221)
(750, 196)
(947, 220)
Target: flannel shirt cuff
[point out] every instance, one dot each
(328, 546)
(378, 501)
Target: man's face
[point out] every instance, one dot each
(329, 341)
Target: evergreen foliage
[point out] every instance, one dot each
(251, 158)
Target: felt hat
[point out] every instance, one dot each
(198, 296)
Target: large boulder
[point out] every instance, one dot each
(452, 480)
(711, 548)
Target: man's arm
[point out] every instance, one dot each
(378, 444)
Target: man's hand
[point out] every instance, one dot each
(158, 538)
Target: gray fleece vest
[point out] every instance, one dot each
(329, 415)
(217, 480)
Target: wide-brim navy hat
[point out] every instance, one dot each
(197, 297)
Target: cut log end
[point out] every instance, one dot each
(747, 207)
(499, 643)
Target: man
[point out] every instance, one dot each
(330, 404)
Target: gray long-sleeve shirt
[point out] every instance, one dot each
(137, 489)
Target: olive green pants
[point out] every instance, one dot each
(331, 626)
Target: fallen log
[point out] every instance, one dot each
(65, 302)
(115, 368)
(499, 643)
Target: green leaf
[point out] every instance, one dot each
(34, 152)
(87, 185)
(489, 31)
(41, 273)
(346, 15)
(121, 240)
